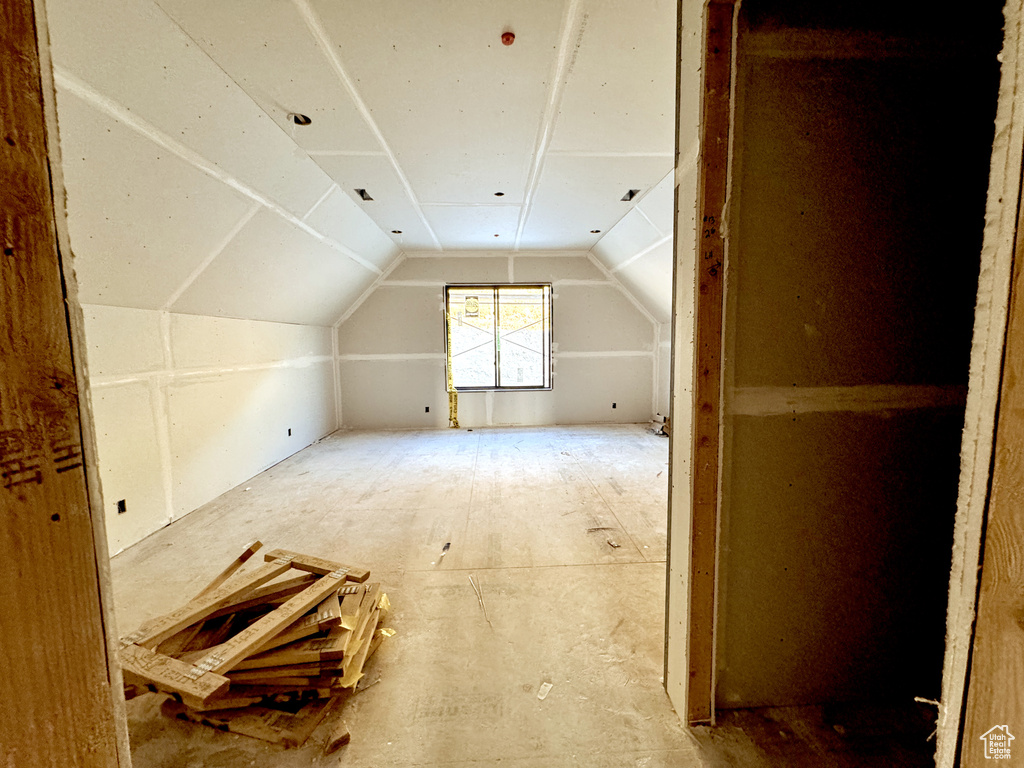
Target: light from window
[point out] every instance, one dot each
(499, 336)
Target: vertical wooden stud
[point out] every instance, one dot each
(708, 302)
(58, 683)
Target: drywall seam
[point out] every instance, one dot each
(688, 161)
(441, 204)
(647, 218)
(111, 108)
(608, 353)
(157, 382)
(562, 67)
(411, 283)
(653, 246)
(496, 254)
(588, 283)
(632, 299)
(171, 374)
(511, 268)
(345, 153)
(384, 356)
(655, 369)
(246, 218)
(983, 388)
(330, 52)
(604, 153)
(369, 290)
(320, 202)
(336, 373)
(781, 401)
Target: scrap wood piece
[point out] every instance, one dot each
(224, 575)
(318, 565)
(354, 665)
(145, 668)
(268, 594)
(369, 602)
(178, 643)
(234, 650)
(338, 738)
(351, 601)
(307, 651)
(256, 676)
(158, 630)
(274, 725)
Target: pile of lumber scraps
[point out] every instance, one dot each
(265, 651)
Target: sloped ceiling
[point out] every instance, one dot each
(191, 189)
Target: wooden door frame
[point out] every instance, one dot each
(63, 699)
(694, 486)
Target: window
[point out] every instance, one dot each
(499, 336)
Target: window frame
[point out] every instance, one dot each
(548, 339)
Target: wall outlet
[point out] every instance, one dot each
(427, 409)
(289, 432)
(614, 405)
(122, 507)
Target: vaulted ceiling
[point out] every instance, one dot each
(192, 188)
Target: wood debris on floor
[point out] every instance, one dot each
(268, 651)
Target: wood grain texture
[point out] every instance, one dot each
(708, 347)
(52, 628)
(997, 660)
(155, 632)
(229, 653)
(318, 565)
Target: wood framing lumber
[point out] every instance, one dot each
(996, 677)
(318, 565)
(199, 608)
(349, 609)
(177, 643)
(268, 594)
(272, 725)
(145, 668)
(300, 630)
(354, 663)
(338, 738)
(231, 652)
(224, 575)
(369, 602)
(708, 321)
(257, 676)
(309, 651)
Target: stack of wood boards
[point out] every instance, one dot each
(264, 650)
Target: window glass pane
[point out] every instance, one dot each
(471, 316)
(523, 333)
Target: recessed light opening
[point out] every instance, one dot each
(396, 231)
(363, 194)
(299, 119)
(499, 194)
(630, 195)
(595, 231)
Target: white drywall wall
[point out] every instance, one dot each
(188, 406)
(182, 193)
(391, 360)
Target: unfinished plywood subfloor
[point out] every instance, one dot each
(565, 606)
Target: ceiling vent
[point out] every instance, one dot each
(630, 195)
(299, 119)
(363, 194)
